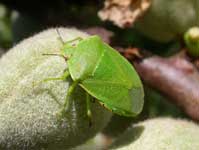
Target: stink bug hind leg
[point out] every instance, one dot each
(88, 109)
(65, 106)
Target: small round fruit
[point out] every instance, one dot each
(191, 39)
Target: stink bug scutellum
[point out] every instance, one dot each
(103, 73)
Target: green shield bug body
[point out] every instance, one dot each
(104, 74)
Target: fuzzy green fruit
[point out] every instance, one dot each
(167, 20)
(28, 115)
(160, 134)
(191, 38)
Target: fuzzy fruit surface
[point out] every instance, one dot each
(28, 114)
(159, 134)
(167, 20)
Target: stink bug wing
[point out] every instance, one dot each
(116, 84)
(85, 57)
(115, 97)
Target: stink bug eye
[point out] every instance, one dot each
(104, 75)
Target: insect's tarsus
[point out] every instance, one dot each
(88, 108)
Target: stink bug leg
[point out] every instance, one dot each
(59, 55)
(74, 40)
(88, 108)
(63, 78)
(70, 41)
(67, 99)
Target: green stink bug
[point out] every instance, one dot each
(103, 73)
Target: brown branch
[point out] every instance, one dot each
(175, 77)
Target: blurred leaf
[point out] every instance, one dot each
(5, 27)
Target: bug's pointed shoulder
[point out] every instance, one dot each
(95, 38)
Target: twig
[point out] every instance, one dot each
(175, 77)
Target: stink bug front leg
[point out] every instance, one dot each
(70, 41)
(63, 78)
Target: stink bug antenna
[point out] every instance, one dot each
(60, 37)
(60, 55)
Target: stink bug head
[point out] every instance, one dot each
(69, 46)
(85, 57)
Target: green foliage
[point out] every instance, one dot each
(5, 27)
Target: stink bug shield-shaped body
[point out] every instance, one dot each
(105, 75)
